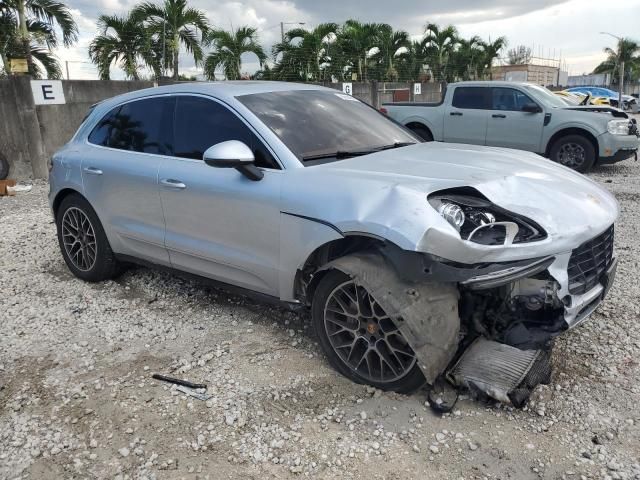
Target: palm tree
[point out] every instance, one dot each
(176, 24)
(306, 55)
(411, 64)
(357, 40)
(391, 46)
(491, 52)
(228, 49)
(438, 46)
(28, 30)
(466, 58)
(125, 41)
(628, 51)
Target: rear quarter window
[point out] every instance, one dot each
(138, 126)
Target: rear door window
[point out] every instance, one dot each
(138, 126)
(475, 98)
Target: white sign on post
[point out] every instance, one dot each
(417, 88)
(47, 92)
(347, 88)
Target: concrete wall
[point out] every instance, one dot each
(20, 140)
(58, 123)
(30, 134)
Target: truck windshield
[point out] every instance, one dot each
(546, 96)
(318, 124)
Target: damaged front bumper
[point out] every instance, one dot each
(543, 296)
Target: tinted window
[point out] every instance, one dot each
(201, 123)
(317, 122)
(139, 126)
(471, 97)
(509, 99)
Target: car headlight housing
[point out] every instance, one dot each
(480, 221)
(618, 127)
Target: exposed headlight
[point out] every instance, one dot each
(618, 127)
(480, 221)
(452, 213)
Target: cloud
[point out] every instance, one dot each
(570, 26)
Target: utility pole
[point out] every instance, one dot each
(66, 65)
(620, 104)
(621, 60)
(164, 42)
(282, 24)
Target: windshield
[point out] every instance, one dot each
(316, 124)
(546, 96)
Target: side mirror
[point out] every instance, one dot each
(531, 108)
(233, 154)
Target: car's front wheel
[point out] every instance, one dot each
(359, 338)
(83, 243)
(574, 151)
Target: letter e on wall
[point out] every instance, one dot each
(47, 92)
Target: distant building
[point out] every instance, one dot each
(543, 75)
(592, 80)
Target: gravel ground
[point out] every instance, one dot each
(77, 399)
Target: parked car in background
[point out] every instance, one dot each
(522, 116)
(577, 98)
(407, 253)
(628, 100)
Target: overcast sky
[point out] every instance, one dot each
(551, 27)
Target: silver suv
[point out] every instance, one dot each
(405, 252)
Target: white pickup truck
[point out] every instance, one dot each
(522, 116)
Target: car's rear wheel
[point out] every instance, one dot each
(574, 151)
(359, 338)
(83, 243)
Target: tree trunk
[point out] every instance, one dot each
(5, 63)
(24, 33)
(176, 51)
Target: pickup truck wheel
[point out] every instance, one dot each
(574, 151)
(421, 131)
(83, 243)
(358, 337)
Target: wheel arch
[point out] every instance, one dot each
(419, 124)
(311, 272)
(572, 131)
(61, 195)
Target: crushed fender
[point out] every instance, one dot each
(426, 313)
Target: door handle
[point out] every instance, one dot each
(171, 183)
(92, 171)
(455, 114)
(499, 115)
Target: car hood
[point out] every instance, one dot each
(388, 190)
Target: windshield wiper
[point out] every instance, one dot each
(340, 154)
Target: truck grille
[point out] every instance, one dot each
(589, 261)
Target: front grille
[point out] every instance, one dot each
(589, 261)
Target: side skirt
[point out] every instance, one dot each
(232, 289)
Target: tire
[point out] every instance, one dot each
(422, 131)
(574, 151)
(75, 220)
(405, 378)
(4, 167)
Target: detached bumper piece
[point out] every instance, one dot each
(502, 372)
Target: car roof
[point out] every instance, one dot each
(226, 90)
(486, 83)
